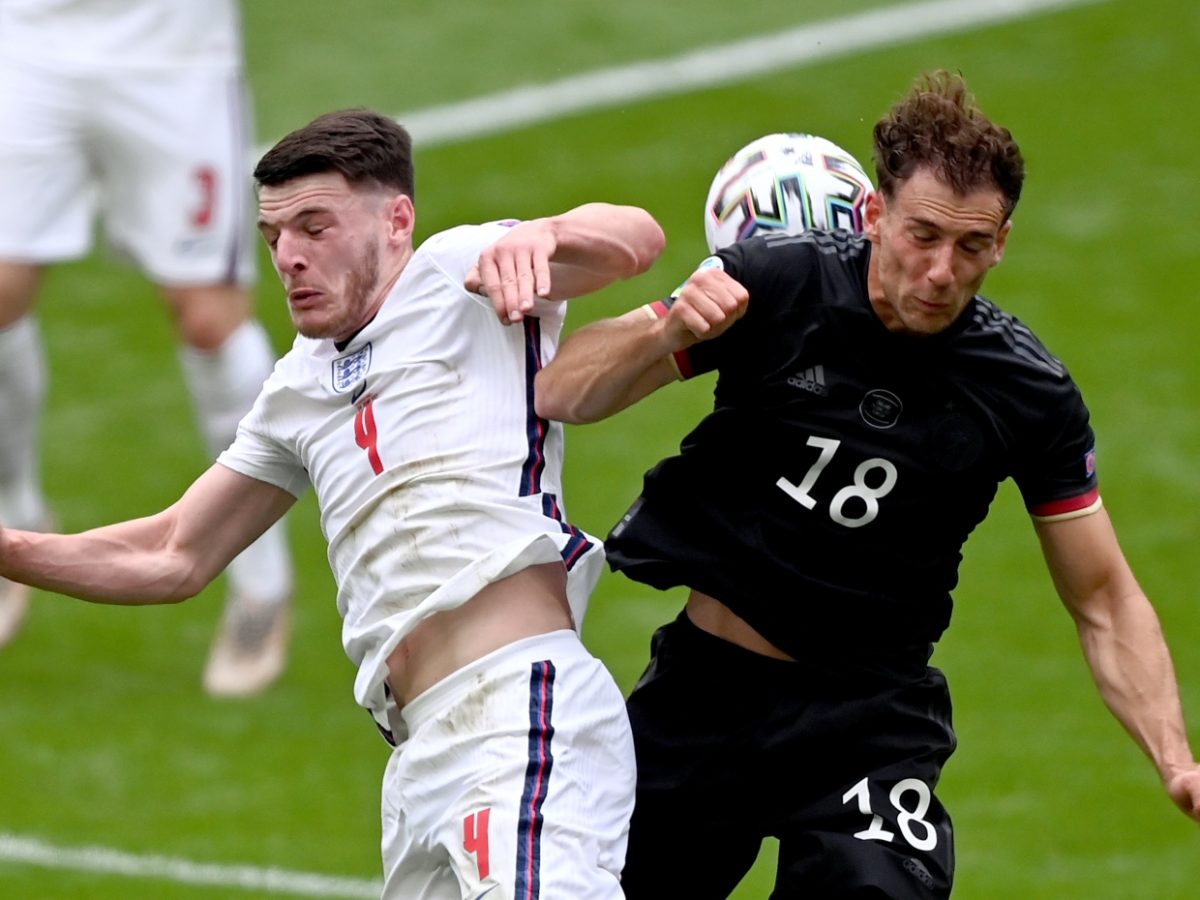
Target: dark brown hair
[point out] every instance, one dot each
(364, 146)
(937, 126)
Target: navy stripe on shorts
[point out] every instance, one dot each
(537, 778)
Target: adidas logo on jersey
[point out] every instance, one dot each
(811, 379)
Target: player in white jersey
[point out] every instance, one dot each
(135, 111)
(461, 584)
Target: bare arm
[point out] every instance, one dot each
(611, 364)
(1124, 646)
(162, 558)
(564, 256)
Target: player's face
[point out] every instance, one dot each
(931, 250)
(338, 249)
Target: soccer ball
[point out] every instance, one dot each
(785, 182)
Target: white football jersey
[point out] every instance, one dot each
(433, 473)
(112, 34)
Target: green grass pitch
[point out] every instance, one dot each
(105, 736)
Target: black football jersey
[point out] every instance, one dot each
(827, 497)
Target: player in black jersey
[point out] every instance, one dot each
(868, 404)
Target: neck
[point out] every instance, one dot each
(877, 298)
(389, 282)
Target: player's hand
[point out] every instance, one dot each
(515, 270)
(706, 306)
(1184, 789)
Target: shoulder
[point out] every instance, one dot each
(778, 259)
(1015, 374)
(456, 249)
(820, 247)
(295, 367)
(813, 269)
(991, 330)
(464, 238)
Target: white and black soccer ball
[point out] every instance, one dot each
(785, 182)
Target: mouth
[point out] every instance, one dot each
(929, 305)
(302, 297)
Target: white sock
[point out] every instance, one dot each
(223, 384)
(23, 381)
(263, 571)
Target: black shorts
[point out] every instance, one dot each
(733, 747)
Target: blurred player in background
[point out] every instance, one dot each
(461, 585)
(136, 111)
(868, 404)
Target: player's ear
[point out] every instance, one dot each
(1001, 242)
(402, 217)
(872, 215)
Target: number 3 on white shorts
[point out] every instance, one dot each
(918, 832)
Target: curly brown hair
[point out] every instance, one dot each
(938, 126)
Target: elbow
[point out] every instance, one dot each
(548, 402)
(183, 578)
(194, 575)
(157, 593)
(176, 590)
(186, 590)
(642, 245)
(650, 247)
(552, 401)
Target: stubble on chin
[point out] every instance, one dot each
(316, 329)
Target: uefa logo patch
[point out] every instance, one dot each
(880, 409)
(709, 262)
(350, 369)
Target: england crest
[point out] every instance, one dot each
(352, 368)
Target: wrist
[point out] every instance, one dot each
(672, 343)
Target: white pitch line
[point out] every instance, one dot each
(711, 66)
(17, 849)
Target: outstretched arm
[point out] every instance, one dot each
(564, 256)
(1124, 646)
(162, 558)
(611, 364)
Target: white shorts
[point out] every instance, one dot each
(516, 781)
(160, 156)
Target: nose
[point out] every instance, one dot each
(289, 256)
(941, 265)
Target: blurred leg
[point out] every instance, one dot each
(226, 357)
(22, 393)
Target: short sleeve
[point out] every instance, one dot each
(1057, 473)
(455, 251)
(256, 454)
